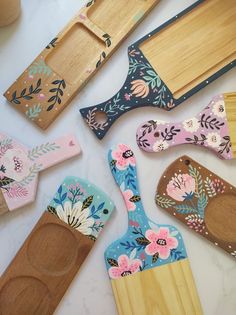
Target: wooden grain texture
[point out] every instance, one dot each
(210, 212)
(190, 50)
(42, 270)
(3, 205)
(164, 290)
(74, 56)
(230, 106)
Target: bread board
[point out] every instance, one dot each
(47, 86)
(200, 199)
(20, 167)
(173, 62)
(42, 270)
(148, 267)
(213, 128)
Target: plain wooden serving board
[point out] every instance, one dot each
(173, 62)
(47, 86)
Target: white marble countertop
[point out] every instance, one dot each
(90, 292)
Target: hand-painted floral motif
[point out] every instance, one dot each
(161, 243)
(181, 187)
(124, 267)
(76, 216)
(123, 156)
(160, 145)
(146, 244)
(143, 87)
(191, 125)
(187, 194)
(213, 139)
(219, 108)
(208, 129)
(81, 205)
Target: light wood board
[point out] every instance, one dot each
(164, 290)
(47, 86)
(196, 46)
(230, 106)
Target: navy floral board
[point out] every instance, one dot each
(146, 244)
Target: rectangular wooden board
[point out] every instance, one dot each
(163, 290)
(47, 86)
(190, 50)
(42, 270)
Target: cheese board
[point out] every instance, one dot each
(72, 57)
(20, 167)
(42, 270)
(213, 128)
(201, 200)
(173, 62)
(148, 267)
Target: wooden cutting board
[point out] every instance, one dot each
(48, 85)
(148, 267)
(42, 270)
(200, 199)
(173, 62)
(213, 128)
(20, 167)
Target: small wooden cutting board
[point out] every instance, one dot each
(42, 270)
(200, 199)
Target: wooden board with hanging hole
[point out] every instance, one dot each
(47, 86)
(173, 62)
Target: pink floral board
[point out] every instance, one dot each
(209, 129)
(200, 199)
(20, 167)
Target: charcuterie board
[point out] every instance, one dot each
(213, 128)
(42, 270)
(173, 62)
(47, 86)
(200, 199)
(149, 264)
(20, 167)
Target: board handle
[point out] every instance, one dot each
(123, 167)
(142, 87)
(52, 153)
(208, 129)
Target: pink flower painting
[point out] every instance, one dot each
(128, 194)
(123, 156)
(160, 242)
(181, 187)
(126, 267)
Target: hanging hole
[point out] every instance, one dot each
(187, 162)
(101, 117)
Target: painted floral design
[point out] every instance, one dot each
(213, 140)
(123, 156)
(143, 87)
(191, 125)
(181, 187)
(128, 195)
(208, 129)
(82, 206)
(76, 216)
(161, 243)
(218, 108)
(160, 145)
(146, 244)
(124, 267)
(139, 88)
(187, 194)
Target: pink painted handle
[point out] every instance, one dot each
(208, 129)
(52, 153)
